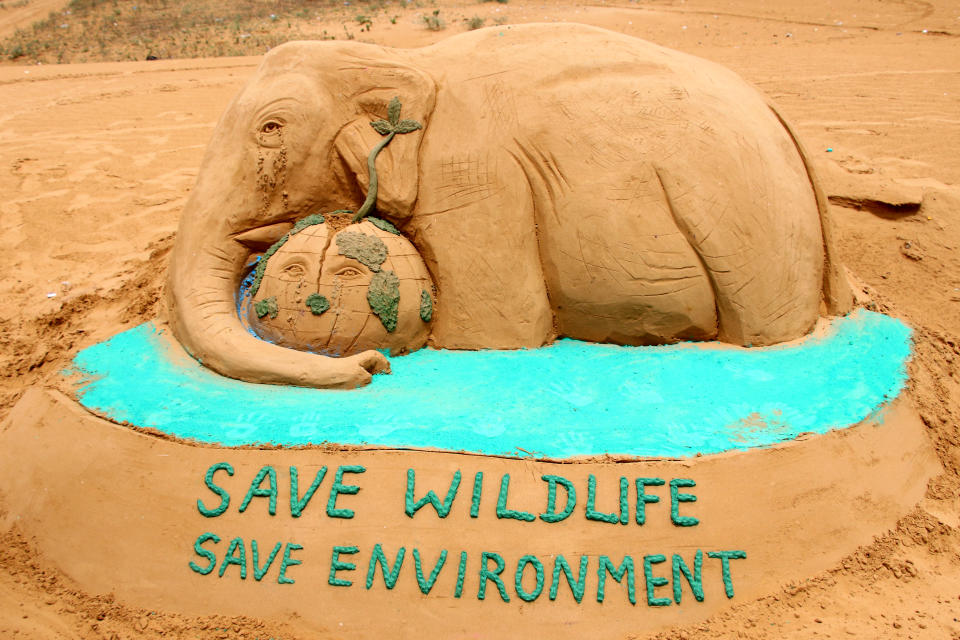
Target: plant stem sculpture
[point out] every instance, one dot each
(390, 127)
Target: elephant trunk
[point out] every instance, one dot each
(204, 276)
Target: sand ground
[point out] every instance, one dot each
(97, 160)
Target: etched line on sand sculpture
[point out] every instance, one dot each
(685, 232)
(357, 337)
(297, 228)
(836, 292)
(549, 178)
(466, 177)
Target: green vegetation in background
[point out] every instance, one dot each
(115, 30)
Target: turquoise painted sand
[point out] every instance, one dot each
(572, 398)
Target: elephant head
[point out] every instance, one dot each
(293, 143)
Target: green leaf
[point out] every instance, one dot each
(393, 111)
(382, 126)
(406, 126)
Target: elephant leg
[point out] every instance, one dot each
(617, 268)
(475, 227)
(756, 230)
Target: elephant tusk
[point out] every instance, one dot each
(261, 238)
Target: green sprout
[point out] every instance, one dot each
(389, 128)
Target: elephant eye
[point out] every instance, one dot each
(271, 127)
(270, 134)
(349, 272)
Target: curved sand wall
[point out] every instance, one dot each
(121, 511)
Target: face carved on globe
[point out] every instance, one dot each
(339, 293)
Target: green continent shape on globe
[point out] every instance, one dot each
(309, 221)
(426, 306)
(384, 298)
(267, 307)
(386, 225)
(369, 250)
(317, 303)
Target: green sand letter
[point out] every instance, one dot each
(643, 499)
(338, 488)
(220, 491)
(626, 567)
(256, 491)
(259, 572)
(503, 511)
(551, 515)
(338, 565)
(654, 581)
(298, 504)
(442, 509)
(676, 498)
(529, 596)
(577, 588)
(288, 562)
(494, 576)
(725, 558)
(389, 575)
(592, 513)
(427, 584)
(477, 493)
(694, 579)
(204, 553)
(240, 560)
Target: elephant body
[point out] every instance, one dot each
(568, 181)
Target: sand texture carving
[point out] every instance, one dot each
(583, 184)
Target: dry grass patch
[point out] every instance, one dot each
(113, 30)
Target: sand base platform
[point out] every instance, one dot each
(348, 542)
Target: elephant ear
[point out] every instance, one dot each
(370, 88)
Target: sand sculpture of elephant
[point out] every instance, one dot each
(567, 181)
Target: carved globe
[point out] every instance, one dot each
(342, 292)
